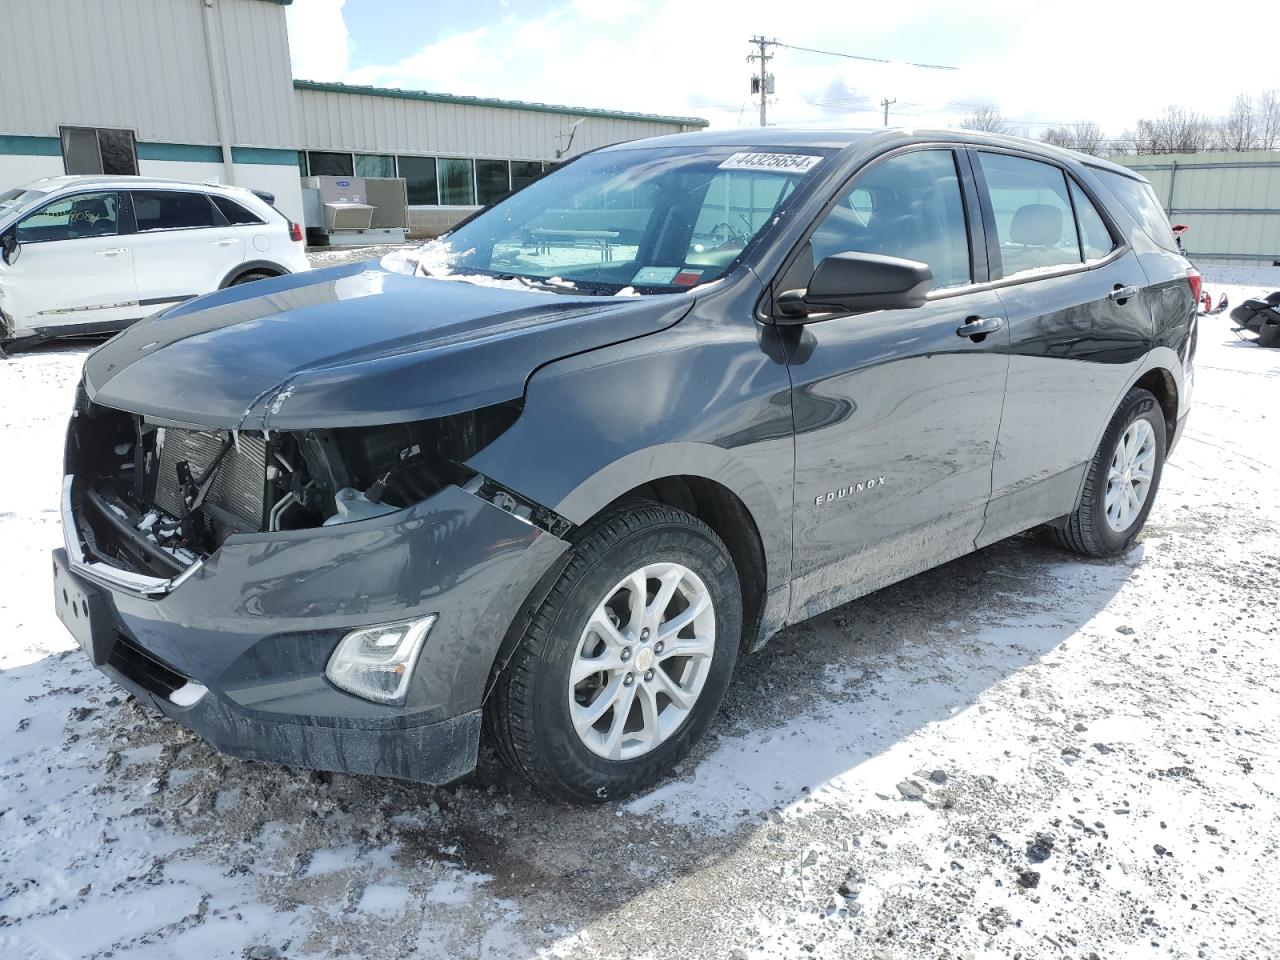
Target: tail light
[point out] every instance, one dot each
(295, 232)
(1194, 278)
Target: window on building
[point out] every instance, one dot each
(93, 150)
(323, 164)
(70, 218)
(419, 175)
(375, 165)
(235, 213)
(1035, 225)
(524, 172)
(302, 163)
(493, 180)
(171, 210)
(457, 182)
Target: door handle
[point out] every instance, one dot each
(1121, 294)
(225, 242)
(977, 328)
(113, 252)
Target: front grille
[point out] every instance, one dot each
(238, 486)
(146, 671)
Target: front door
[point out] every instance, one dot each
(896, 412)
(74, 271)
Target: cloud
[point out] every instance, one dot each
(1039, 63)
(319, 45)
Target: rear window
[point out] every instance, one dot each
(233, 211)
(1140, 201)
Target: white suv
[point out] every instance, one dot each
(86, 255)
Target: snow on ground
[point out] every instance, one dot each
(1021, 754)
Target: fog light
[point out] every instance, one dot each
(377, 662)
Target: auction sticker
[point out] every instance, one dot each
(651, 276)
(782, 162)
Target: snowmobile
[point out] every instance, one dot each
(1261, 317)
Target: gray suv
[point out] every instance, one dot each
(547, 479)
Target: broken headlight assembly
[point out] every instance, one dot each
(155, 498)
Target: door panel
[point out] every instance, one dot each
(182, 248)
(896, 420)
(1072, 351)
(74, 270)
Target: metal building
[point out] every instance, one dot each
(202, 90)
(1230, 202)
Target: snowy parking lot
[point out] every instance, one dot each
(1020, 754)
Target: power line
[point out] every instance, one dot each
(854, 56)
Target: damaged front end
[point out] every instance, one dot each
(151, 501)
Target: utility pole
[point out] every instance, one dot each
(886, 103)
(762, 84)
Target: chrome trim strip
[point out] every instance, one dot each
(101, 573)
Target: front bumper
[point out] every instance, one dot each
(247, 634)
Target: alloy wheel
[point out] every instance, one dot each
(641, 661)
(1129, 476)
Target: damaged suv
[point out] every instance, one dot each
(546, 479)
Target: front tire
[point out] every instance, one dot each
(1123, 478)
(625, 663)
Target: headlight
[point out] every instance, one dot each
(377, 662)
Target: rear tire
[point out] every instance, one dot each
(1122, 481)
(650, 701)
(249, 277)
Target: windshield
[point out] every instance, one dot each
(18, 198)
(652, 220)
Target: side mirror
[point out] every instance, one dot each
(10, 248)
(849, 282)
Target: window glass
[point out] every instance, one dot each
(524, 172)
(420, 180)
(90, 151)
(233, 211)
(171, 210)
(737, 204)
(330, 164)
(492, 180)
(302, 163)
(1093, 230)
(457, 182)
(1140, 201)
(656, 219)
(1035, 225)
(906, 206)
(70, 218)
(375, 165)
(13, 200)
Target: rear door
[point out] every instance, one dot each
(896, 413)
(75, 269)
(184, 246)
(1080, 323)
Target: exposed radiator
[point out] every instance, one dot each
(238, 487)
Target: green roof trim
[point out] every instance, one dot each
(396, 93)
(17, 146)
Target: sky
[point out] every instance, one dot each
(1040, 63)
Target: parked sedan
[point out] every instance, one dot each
(547, 480)
(91, 255)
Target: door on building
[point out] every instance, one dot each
(75, 269)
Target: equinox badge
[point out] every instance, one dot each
(848, 491)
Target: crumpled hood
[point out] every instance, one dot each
(353, 345)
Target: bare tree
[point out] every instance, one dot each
(1267, 122)
(987, 120)
(1238, 129)
(1085, 136)
(1176, 131)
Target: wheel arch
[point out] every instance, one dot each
(1159, 381)
(252, 266)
